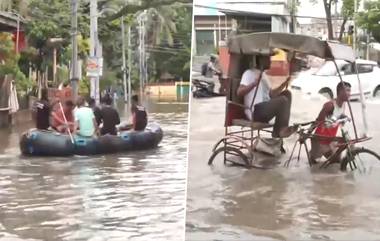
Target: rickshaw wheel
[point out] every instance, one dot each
(355, 157)
(231, 151)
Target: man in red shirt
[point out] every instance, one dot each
(58, 119)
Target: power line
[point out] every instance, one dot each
(277, 15)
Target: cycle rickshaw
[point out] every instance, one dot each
(241, 134)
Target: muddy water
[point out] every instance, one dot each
(295, 203)
(129, 196)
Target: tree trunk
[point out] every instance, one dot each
(327, 5)
(342, 29)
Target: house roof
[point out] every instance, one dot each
(263, 43)
(8, 21)
(264, 7)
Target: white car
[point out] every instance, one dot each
(324, 80)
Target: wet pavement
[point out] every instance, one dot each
(295, 203)
(125, 196)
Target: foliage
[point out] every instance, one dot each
(84, 87)
(21, 6)
(347, 12)
(52, 19)
(136, 6)
(369, 19)
(328, 4)
(175, 58)
(10, 63)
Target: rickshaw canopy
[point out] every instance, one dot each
(264, 43)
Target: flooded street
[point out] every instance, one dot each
(295, 203)
(127, 196)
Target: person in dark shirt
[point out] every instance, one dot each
(139, 115)
(109, 117)
(96, 110)
(41, 111)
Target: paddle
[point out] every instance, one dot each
(64, 118)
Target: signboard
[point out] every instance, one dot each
(94, 67)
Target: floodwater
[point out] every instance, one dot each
(127, 196)
(295, 203)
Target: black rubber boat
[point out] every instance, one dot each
(46, 143)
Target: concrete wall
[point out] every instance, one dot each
(171, 89)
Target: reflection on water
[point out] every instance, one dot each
(296, 203)
(130, 196)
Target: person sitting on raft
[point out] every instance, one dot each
(109, 117)
(63, 122)
(84, 120)
(41, 111)
(96, 110)
(139, 116)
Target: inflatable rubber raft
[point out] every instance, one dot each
(46, 143)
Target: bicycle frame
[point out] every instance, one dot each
(344, 143)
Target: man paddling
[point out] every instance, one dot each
(63, 119)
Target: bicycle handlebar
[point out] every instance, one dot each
(338, 121)
(327, 122)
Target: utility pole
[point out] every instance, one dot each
(94, 90)
(293, 19)
(355, 28)
(141, 55)
(144, 53)
(129, 67)
(74, 57)
(124, 68)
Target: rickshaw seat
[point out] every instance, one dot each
(236, 117)
(253, 125)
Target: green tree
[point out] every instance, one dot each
(136, 6)
(20, 6)
(370, 17)
(161, 27)
(52, 19)
(175, 58)
(328, 4)
(347, 13)
(10, 63)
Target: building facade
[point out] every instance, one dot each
(213, 23)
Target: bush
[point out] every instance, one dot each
(9, 65)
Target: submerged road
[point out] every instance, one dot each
(295, 203)
(127, 196)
